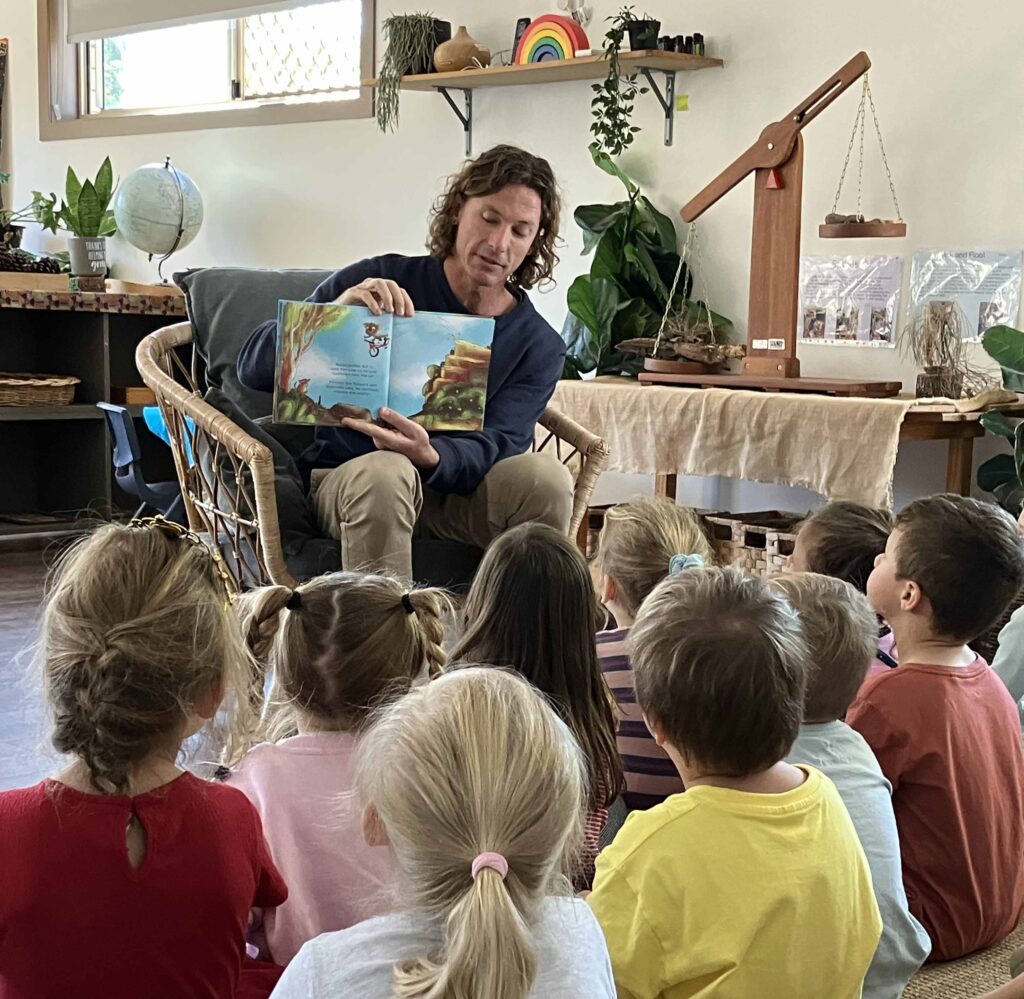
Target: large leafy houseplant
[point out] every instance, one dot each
(85, 208)
(625, 294)
(1003, 474)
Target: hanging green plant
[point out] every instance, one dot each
(1003, 474)
(409, 40)
(612, 105)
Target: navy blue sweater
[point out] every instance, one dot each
(526, 362)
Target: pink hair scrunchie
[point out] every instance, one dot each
(495, 861)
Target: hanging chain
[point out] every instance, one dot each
(691, 247)
(881, 145)
(860, 164)
(849, 148)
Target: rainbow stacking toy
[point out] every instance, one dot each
(551, 37)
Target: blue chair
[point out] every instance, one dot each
(154, 497)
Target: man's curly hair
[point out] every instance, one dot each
(489, 173)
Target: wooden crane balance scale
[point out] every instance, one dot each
(777, 162)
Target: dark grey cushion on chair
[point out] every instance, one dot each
(225, 304)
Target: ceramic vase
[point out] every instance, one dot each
(457, 54)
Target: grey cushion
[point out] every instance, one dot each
(225, 304)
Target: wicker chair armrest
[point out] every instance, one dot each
(152, 358)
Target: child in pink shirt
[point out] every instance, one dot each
(338, 646)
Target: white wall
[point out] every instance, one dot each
(947, 79)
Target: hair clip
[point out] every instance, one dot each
(407, 604)
(172, 529)
(677, 563)
(294, 601)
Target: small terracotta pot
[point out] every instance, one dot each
(457, 54)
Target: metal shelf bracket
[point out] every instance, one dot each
(465, 117)
(666, 100)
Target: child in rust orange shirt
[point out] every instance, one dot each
(942, 725)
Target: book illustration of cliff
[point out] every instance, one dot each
(300, 328)
(455, 393)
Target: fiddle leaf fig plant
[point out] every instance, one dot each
(1003, 474)
(624, 295)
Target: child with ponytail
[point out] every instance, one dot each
(532, 608)
(478, 787)
(124, 876)
(641, 543)
(337, 647)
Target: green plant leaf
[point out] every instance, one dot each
(90, 212)
(1010, 496)
(663, 225)
(996, 423)
(595, 219)
(105, 183)
(608, 253)
(1005, 345)
(997, 470)
(610, 167)
(72, 189)
(1018, 452)
(638, 254)
(108, 226)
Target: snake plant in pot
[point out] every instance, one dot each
(1003, 474)
(85, 213)
(625, 294)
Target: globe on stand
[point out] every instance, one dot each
(158, 209)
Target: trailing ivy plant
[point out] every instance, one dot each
(625, 293)
(612, 105)
(409, 43)
(1003, 474)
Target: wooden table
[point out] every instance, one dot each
(924, 423)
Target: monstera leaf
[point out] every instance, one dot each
(1005, 346)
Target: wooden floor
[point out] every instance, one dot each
(24, 757)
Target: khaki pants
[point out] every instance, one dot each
(376, 504)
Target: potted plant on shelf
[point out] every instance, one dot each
(85, 213)
(410, 41)
(11, 229)
(636, 277)
(612, 104)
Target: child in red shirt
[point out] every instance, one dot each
(942, 725)
(124, 876)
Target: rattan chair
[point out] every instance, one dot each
(227, 475)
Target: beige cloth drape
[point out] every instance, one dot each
(841, 448)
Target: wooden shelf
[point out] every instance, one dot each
(592, 67)
(85, 411)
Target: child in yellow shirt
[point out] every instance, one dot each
(752, 882)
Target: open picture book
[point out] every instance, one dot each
(337, 361)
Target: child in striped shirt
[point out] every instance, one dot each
(640, 543)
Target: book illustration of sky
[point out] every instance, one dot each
(347, 361)
(425, 339)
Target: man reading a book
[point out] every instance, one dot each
(376, 485)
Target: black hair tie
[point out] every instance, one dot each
(294, 601)
(407, 604)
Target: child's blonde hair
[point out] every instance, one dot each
(639, 540)
(341, 643)
(841, 632)
(136, 628)
(475, 762)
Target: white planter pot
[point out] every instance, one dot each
(88, 255)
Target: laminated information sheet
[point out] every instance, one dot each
(849, 301)
(985, 285)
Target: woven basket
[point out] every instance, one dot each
(759, 543)
(20, 389)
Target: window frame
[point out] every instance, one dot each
(61, 65)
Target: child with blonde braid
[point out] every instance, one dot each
(641, 542)
(479, 789)
(337, 647)
(124, 876)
